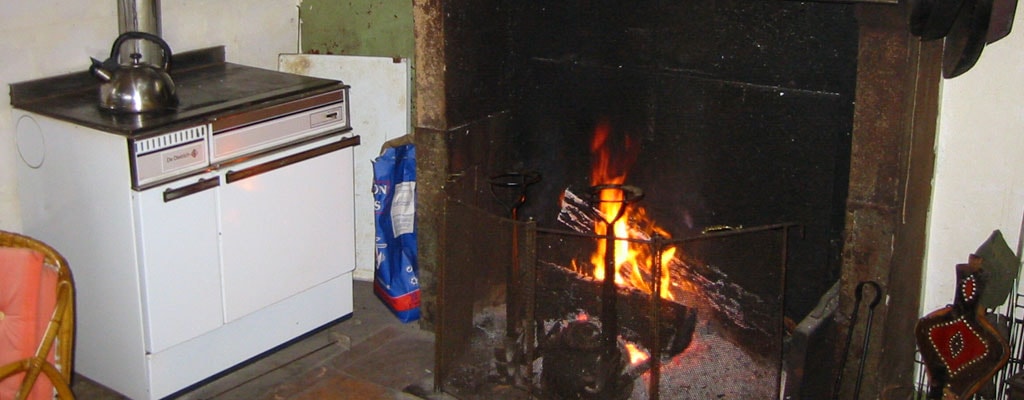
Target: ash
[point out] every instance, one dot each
(712, 368)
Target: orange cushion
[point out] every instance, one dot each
(27, 298)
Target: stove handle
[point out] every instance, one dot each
(201, 185)
(232, 176)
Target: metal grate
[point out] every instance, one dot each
(1011, 322)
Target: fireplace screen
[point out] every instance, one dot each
(532, 312)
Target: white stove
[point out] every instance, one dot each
(197, 240)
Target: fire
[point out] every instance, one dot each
(636, 355)
(611, 163)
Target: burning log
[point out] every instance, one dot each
(566, 294)
(578, 365)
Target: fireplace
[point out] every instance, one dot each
(747, 115)
(559, 334)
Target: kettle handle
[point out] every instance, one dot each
(145, 36)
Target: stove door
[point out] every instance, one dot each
(287, 225)
(176, 228)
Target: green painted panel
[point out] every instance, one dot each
(381, 28)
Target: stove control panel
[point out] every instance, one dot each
(159, 158)
(228, 138)
(277, 133)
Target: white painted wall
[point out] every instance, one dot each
(43, 38)
(979, 174)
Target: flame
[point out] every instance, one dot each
(636, 355)
(611, 163)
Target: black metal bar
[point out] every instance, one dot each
(867, 332)
(656, 275)
(518, 183)
(518, 352)
(609, 294)
(784, 258)
(529, 294)
(858, 297)
(698, 238)
(512, 281)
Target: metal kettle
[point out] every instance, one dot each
(136, 86)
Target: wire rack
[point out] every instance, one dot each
(1010, 322)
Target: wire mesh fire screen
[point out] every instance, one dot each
(526, 315)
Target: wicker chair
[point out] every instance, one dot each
(58, 336)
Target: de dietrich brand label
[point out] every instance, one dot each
(180, 157)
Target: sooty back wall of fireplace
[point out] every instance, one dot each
(742, 111)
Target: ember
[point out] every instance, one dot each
(577, 365)
(636, 355)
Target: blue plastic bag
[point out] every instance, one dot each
(396, 273)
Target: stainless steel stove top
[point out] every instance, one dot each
(208, 89)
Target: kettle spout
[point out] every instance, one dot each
(101, 70)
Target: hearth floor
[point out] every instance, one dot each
(370, 356)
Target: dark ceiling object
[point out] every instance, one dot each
(966, 25)
(932, 19)
(1002, 19)
(966, 38)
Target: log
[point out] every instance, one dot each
(562, 294)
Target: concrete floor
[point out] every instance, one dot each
(369, 356)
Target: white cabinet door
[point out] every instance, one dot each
(286, 225)
(179, 259)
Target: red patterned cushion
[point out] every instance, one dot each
(958, 344)
(27, 298)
